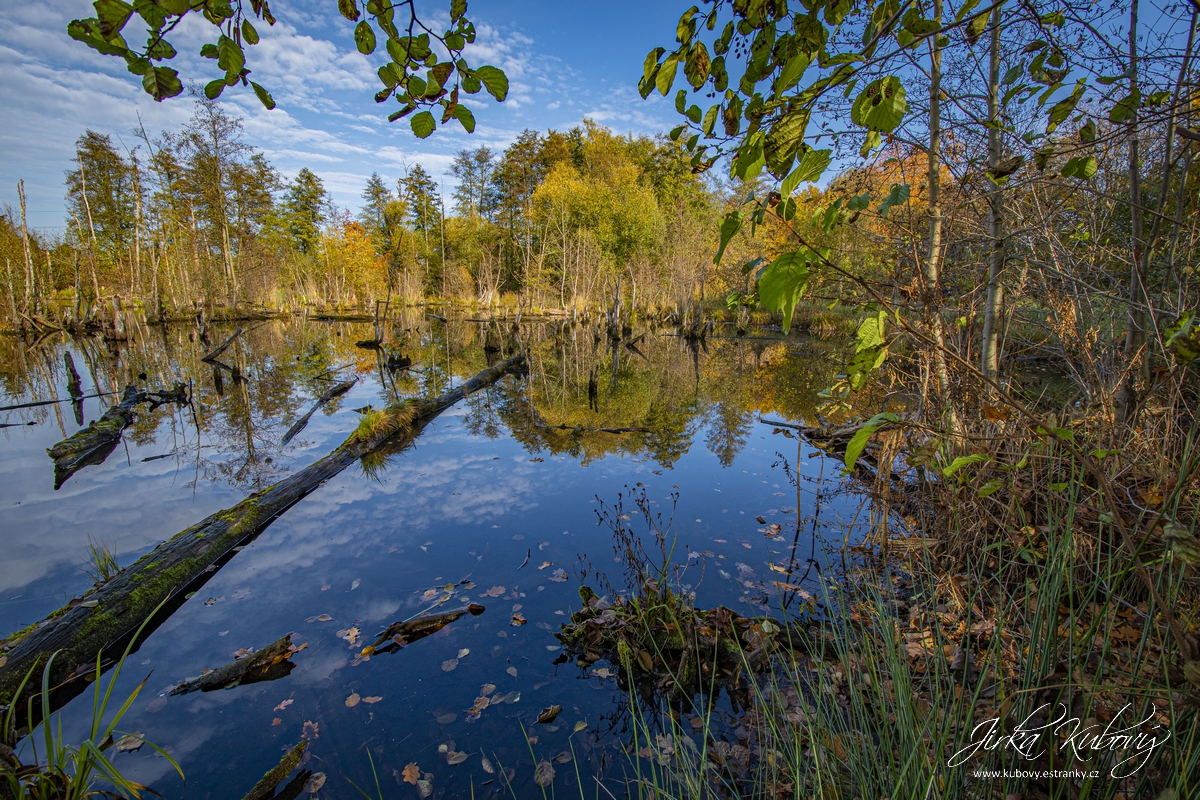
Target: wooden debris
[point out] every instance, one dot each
(265, 788)
(267, 664)
(401, 634)
(325, 397)
(224, 346)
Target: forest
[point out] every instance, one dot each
(974, 226)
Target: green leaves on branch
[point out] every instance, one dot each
(1082, 167)
(897, 196)
(781, 283)
(870, 349)
(1183, 339)
(402, 78)
(812, 165)
(729, 228)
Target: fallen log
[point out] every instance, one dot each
(112, 612)
(93, 444)
(596, 430)
(267, 664)
(224, 346)
(401, 634)
(325, 397)
(265, 788)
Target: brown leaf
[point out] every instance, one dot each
(487, 689)
(547, 714)
(315, 782)
(411, 773)
(283, 705)
(487, 766)
(374, 699)
(563, 758)
(276, 721)
(446, 719)
(512, 671)
(455, 757)
(559, 575)
(449, 664)
(311, 731)
(517, 619)
(352, 700)
(544, 774)
(495, 591)
(424, 788)
(129, 742)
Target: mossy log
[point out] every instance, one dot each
(109, 614)
(267, 664)
(265, 788)
(95, 443)
(404, 633)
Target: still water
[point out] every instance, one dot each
(490, 498)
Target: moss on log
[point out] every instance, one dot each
(110, 613)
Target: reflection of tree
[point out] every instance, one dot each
(728, 428)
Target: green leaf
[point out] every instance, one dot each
(457, 9)
(782, 282)
(872, 141)
(964, 461)
(348, 9)
(666, 74)
(710, 120)
(964, 9)
(1183, 339)
(990, 488)
(729, 228)
(213, 89)
(793, 71)
(897, 196)
(917, 25)
(1087, 133)
(364, 38)
(494, 80)
(465, 117)
(230, 56)
(112, 15)
(812, 164)
(209, 50)
(870, 349)
(976, 27)
(423, 124)
(263, 96)
(161, 83)
(858, 442)
(1065, 107)
(249, 35)
(1082, 167)
(881, 105)
(1125, 109)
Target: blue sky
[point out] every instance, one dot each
(565, 61)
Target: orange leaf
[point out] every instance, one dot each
(411, 773)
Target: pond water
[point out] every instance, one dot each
(489, 498)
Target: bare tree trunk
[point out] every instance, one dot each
(30, 285)
(990, 351)
(933, 262)
(1125, 402)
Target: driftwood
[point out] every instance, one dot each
(93, 444)
(400, 634)
(112, 612)
(325, 397)
(224, 346)
(597, 430)
(267, 664)
(37, 403)
(265, 788)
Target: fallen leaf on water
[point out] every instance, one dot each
(212, 600)
(315, 782)
(563, 758)
(487, 766)
(721, 541)
(512, 671)
(354, 585)
(411, 772)
(446, 719)
(512, 697)
(747, 545)
(487, 689)
(367, 651)
(579, 726)
(276, 721)
(495, 591)
(517, 619)
(371, 700)
(311, 731)
(545, 564)
(449, 664)
(319, 618)
(559, 575)
(553, 647)
(352, 700)
(240, 593)
(543, 545)
(326, 588)
(480, 703)
(129, 742)
(157, 704)
(603, 672)
(547, 714)
(424, 788)
(455, 757)
(544, 774)
(463, 653)
(283, 705)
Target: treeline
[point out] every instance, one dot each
(562, 219)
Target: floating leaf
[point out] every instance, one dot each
(352, 700)
(579, 726)
(424, 788)
(320, 618)
(284, 705)
(563, 758)
(545, 564)
(517, 619)
(315, 782)
(512, 671)
(547, 714)
(464, 653)
(129, 742)
(559, 575)
(446, 719)
(311, 731)
(455, 757)
(355, 584)
(449, 664)
(411, 773)
(495, 591)
(487, 765)
(276, 721)
(487, 689)
(544, 774)
(603, 672)
(373, 699)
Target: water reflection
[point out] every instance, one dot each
(499, 491)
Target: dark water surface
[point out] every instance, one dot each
(488, 498)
